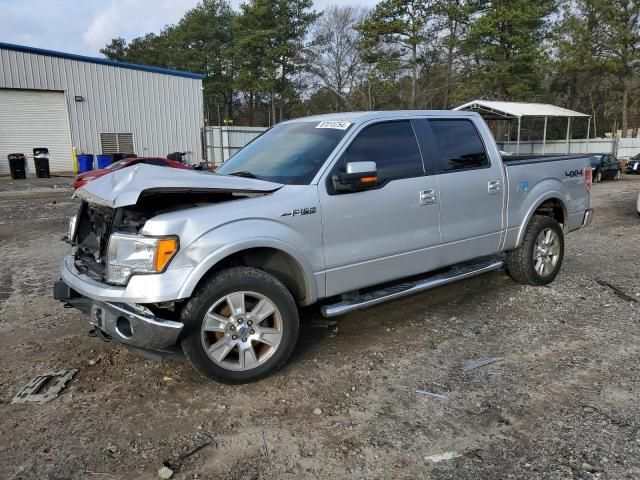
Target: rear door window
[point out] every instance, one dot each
(392, 145)
(458, 146)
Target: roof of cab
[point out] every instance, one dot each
(359, 117)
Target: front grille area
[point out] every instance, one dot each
(94, 225)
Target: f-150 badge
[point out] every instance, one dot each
(299, 211)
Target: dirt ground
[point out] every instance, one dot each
(562, 404)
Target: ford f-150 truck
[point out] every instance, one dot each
(347, 210)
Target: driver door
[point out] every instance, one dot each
(386, 232)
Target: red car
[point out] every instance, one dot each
(84, 178)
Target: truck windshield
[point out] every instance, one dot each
(289, 153)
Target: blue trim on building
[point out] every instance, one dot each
(99, 61)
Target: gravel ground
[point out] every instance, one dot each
(562, 404)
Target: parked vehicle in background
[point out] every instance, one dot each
(633, 166)
(605, 166)
(86, 177)
(349, 210)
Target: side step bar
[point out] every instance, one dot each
(455, 273)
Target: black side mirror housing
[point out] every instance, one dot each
(358, 176)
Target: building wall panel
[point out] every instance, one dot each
(162, 111)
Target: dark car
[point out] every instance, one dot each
(605, 166)
(84, 178)
(634, 165)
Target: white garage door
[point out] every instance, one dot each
(31, 119)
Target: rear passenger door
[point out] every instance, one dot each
(471, 190)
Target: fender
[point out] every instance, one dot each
(223, 249)
(552, 195)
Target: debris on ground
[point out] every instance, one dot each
(431, 394)
(322, 323)
(622, 294)
(44, 388)
(481, 363)
(317, 411)
(205, 440)
(165, 473)
(439, 457)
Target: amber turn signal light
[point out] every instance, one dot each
(165, 250)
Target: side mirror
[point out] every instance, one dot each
(358, 176)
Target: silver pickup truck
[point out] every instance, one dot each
(348, 210)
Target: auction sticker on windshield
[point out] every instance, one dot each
(334, 124)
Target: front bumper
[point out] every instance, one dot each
(156, 288)
(132, 325)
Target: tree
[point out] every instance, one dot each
(505, 48)
(149, 49)
(332, 56)
(453, 17)
(604, 36)
(270, 36)
(394, 32)
(202, 42)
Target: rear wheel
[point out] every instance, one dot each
(538, 259)
(242, 325)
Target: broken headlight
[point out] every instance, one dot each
(133, 254)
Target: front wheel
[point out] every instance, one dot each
(538, 259)
(618, 175)
(598, 177)
(240, 326)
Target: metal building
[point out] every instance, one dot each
(60, 101)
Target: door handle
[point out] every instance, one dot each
(494, 187)
(428, 197)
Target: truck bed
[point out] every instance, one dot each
(509, 160)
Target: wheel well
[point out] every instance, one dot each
(273, 261)
(552, 208)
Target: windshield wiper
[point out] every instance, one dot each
(243, 173)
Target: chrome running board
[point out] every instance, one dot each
(453, 274)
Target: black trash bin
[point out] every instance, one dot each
(18, 165)
(41, 160)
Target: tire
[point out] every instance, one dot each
(598, 177)
(248, 348)
(521, 264)
(618, 175)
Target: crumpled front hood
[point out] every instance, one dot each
(123, 187)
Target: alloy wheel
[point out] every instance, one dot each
(546, 252)
(241, 331)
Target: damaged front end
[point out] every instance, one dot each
(120, 277)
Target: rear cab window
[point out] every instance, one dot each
(456, 146)
(392, 145)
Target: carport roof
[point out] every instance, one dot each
(506, 110)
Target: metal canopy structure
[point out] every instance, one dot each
(509, 111)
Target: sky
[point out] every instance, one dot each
(85, 26)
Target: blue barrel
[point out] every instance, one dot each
(103, 160)
(85, 163)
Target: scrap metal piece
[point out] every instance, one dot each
(481, 363)
(34, 391)
(431, 394)
(622, 294)
(443, 456)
